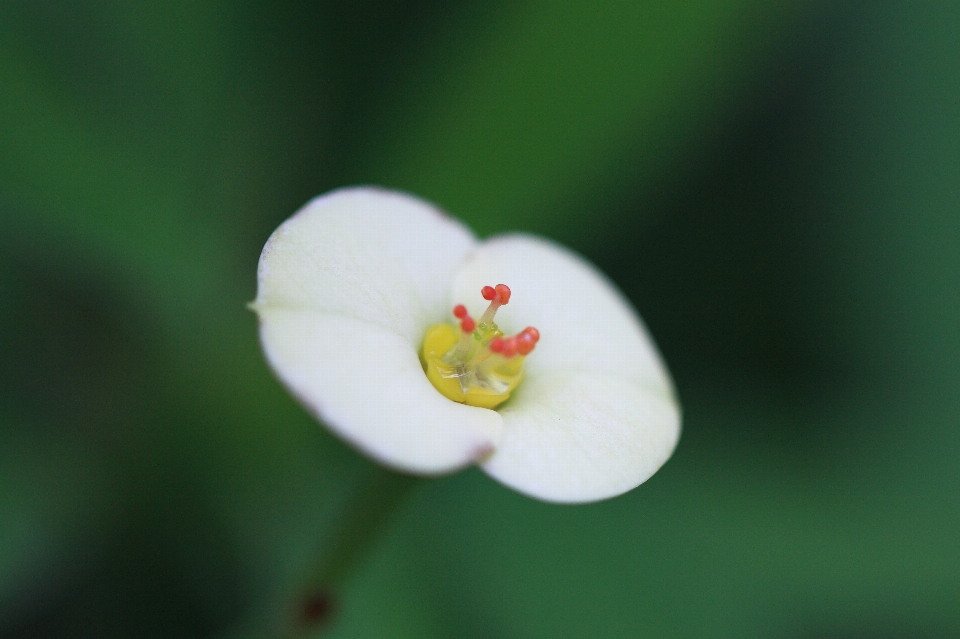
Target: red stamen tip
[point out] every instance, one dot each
(533, 333)
(525, 343)
(488, 292)
(509, 347)
(459, 311)
(496, 345)
(467, 324)
(504, 292)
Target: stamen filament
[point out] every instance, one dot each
(487, 317)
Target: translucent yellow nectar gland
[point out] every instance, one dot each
(474, 363)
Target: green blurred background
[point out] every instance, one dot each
(776, 186)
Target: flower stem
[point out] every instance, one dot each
(363, 519)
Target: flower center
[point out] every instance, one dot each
(475, 363)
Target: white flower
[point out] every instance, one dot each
(349, 286)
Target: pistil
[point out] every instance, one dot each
(467, 326)
(480, 366)
(498, 297)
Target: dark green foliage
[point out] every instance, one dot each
(774, 185)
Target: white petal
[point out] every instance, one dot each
(366, 383)
(374, 255)
(584, 437)
(595, 415)
(585, 323)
